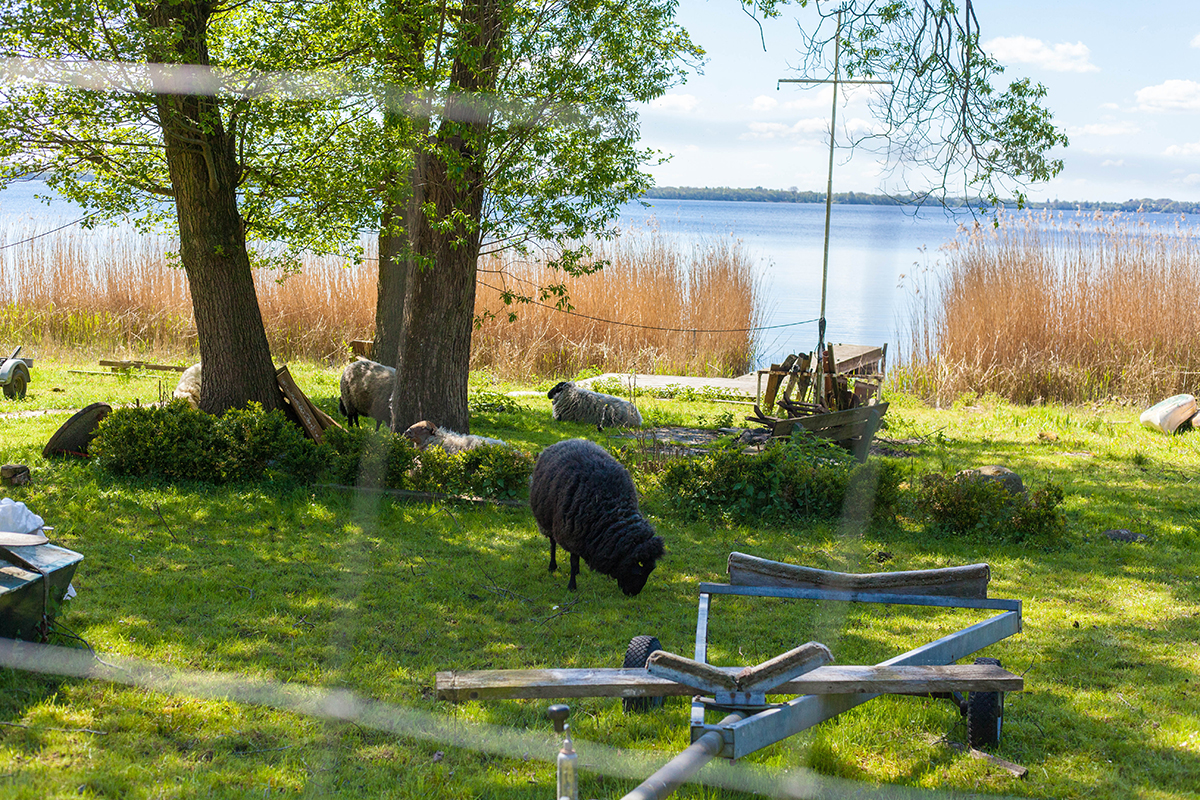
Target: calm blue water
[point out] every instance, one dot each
(870, 248)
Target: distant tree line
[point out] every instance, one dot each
(761, 195)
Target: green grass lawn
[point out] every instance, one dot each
(343, 590)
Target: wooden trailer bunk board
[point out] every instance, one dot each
(823, 690)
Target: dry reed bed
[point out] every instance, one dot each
(1059, 307)
(111, 292)
(651, 285)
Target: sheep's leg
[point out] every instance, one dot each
(553, 562)
(574, 571)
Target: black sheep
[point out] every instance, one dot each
(584, 500)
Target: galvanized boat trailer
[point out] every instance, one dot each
(824, 690)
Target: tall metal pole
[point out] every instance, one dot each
(819, 384)
(819, 393)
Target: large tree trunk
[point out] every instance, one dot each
(439, 309)
(434, 360)
(389, 303)
(204, 171)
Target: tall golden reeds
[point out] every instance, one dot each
(1060, 307)
(656, 307)
(111, 292)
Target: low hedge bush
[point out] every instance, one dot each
(801, 477)
(962, 505)
(177, 442)
(389, 460)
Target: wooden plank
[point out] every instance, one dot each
(835, 425)
(851, 357)
(773, 379)
(362, 347)
(299, 404)
(460, 686)
(880, 598)
(965, 581)
(126, 365)
(323, 419)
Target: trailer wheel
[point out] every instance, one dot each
(985, 714)
(15, 388)
(636, 655)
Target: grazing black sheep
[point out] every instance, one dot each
(584, 500)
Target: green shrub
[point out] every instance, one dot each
(372, 458)
(496, 471)
(389, 460)
(255, 444)
(801, 477)
(488, 401)
(964, 505)
(177, 442)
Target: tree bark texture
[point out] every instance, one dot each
(439, 312)
(204, 170)
(439, 308)
(393, 280)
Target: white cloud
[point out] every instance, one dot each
(1189, 149)
(1119, 162)
(1103, 129)
(779, 130)
(1109, 106)
(807, 100)
(675, 103)
(1172, 95)
(764, 103)
(1062, 57)
(1196, 40)
(1193, 179)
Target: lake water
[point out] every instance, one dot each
(870, 248)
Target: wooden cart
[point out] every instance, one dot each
(836, 397)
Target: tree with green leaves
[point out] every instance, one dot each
(945, 128)
(527, 140)
(125, 107)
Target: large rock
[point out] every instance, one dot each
(1002, 475)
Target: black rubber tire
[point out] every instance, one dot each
(636, 655)
(15, 388)
(985, 714)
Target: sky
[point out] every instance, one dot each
(1123, 81)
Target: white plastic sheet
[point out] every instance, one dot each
(18, 525)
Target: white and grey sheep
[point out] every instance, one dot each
(576, 404)
(188, 387)
(425, 434)
(584, 500)
(367, 391)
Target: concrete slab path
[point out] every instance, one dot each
(745, 383)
